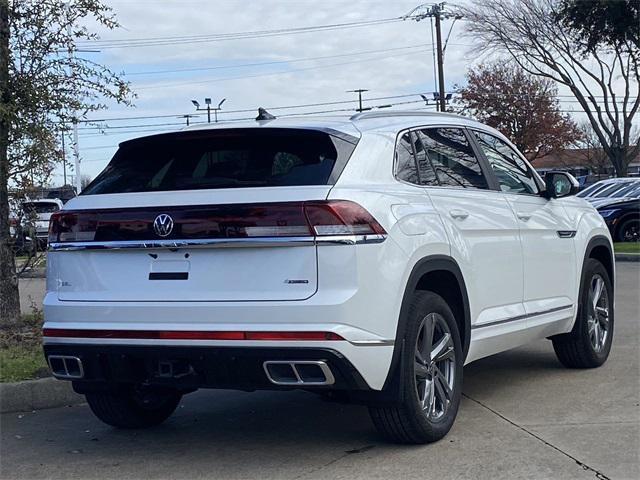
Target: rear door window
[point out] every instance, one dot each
(230, 158)
(450, 156)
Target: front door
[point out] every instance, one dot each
(549, 265)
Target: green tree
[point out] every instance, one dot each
(599, 23)
(603, 79)
(43, 83)
(522, 106)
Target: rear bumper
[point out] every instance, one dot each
(193, 367)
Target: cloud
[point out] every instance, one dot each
(393, 73)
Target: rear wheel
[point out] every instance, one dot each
(431, 375)
(589, 343)
(629, 231)
(134, 407)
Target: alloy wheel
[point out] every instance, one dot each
(598, 313)
(434, 366)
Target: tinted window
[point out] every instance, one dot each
(40, 207)
(513, 174)
(451, 157)
(610, 190)
(406, 169)
(591, 189)
(425, 168)
(231, 158)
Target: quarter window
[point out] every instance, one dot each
(513, 174)
(406, 169)
(451, 158)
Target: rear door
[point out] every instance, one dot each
(482, 228)
(213, 216)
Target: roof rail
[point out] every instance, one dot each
(401, 113)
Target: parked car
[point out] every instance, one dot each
(373, 256)
(36, 215)
(623, 219)
(600, 192)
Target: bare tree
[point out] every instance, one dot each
(604, 81)
(590, 151)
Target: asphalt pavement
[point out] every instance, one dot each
(522, 416)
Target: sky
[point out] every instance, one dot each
(389, 57)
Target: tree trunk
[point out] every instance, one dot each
(620, 162)
(9, 294)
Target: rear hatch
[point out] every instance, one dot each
(218, 215)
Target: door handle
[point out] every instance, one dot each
(523, 216)
(459, 214)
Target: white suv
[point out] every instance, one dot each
(370, 256)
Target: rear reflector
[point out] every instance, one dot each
(286, 219)
(188, 335)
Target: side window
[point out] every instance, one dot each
(425, 168)
(406, 169)
(451, 157)
(513, 174)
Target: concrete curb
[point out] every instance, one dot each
(37, 395)
(627, 257)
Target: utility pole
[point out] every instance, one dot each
(74, 120)
(64, 159)
(187, 117)
(436, 11)
(359, 92)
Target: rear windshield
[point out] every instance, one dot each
(232, 158)
(40, 207)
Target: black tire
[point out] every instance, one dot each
(407, 421)
(629, 231)
(133, 407)
(576, 349)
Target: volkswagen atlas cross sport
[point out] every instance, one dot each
(370, 256)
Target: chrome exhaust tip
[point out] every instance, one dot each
(66, 367)
(298, 372)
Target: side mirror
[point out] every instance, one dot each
(560, 184)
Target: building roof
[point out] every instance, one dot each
(574, 158)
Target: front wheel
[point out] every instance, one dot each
(133, 407)
(589, 343)
(430, 374)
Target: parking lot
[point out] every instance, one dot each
(523, 416)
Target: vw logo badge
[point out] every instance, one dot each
(163, 225)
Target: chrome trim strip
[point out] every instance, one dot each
(372, 343)
(522, 317)
(566, 233)
(219, 243)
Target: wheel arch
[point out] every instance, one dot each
(600, 248)
(442, 275)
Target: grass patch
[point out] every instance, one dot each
(627, 247)
(22, 363)
(21, 356)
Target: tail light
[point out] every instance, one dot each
(286, 219)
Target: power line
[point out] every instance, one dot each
(183, 40)
(266, 74)
(275, 62)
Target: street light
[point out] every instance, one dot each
(207, 101)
